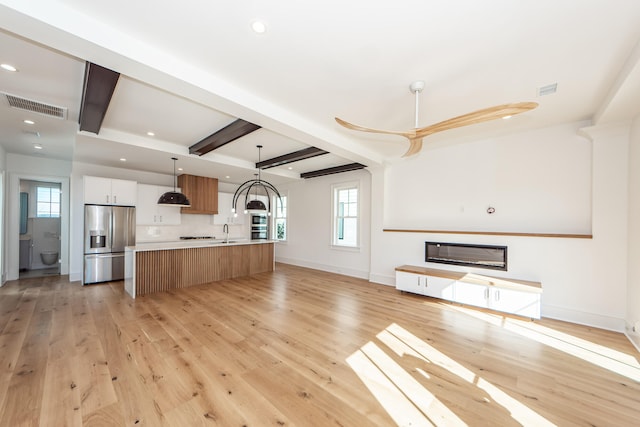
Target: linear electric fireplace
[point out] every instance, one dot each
(483, 256)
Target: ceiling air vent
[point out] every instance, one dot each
(36, 107)
(548, 89)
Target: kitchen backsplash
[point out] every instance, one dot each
(191, 225)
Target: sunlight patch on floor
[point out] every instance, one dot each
(599, 355)
(518, 410)
(401, 410)
(410, 403)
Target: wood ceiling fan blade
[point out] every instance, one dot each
(414, 148)
(479, 116)
(351, 126)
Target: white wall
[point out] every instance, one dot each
(309, 204)
(633, 278)
(550, 181)
(539, 181)
(3, 215)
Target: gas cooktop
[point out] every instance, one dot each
(196, 237)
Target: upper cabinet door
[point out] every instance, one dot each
(124, 192)
(107, 191)
(148, 212)
(224, 215)
(97, 191)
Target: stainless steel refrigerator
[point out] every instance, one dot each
(107, 230)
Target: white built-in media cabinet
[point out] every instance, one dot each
(513, 296)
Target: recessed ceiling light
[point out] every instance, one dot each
(37, 146)
(179, 169)
(29, 122)
(290, 168)
(227, 177)
(258, 27)
(122, 159)
(506, 117)
(9, 67)
(151, 133)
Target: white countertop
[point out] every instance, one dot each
(184, 244)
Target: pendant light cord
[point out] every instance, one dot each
(174, 173)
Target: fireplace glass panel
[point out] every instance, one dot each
(482, 256)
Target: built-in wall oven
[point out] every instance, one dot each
(259, 227)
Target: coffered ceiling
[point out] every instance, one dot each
(190, 68)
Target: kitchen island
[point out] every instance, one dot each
(158, 267)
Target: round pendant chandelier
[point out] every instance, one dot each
(259, 187)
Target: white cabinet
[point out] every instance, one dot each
(472, 294)
(431, 286)
(439, 287)
(500, 299)
(516, 302)
(506, 295)
(148, 212)
(224, 215)
(108, 191)
(410, 282)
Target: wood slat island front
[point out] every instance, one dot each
(161, 269)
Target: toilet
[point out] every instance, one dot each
(49, 257)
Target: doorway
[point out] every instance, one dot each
(12, 229)
(40, 228)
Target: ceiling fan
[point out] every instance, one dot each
(416, 135)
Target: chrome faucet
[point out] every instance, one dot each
(225, 229)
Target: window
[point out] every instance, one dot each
(280, 218)
(345, 215)
(47, 202)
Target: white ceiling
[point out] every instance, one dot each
(190, 68)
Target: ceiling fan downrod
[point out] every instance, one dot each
(416, 88)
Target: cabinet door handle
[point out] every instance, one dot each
(115, 199)
(160, 218)
(426, 282)
(155, 219)
(486, 293)
(497, 295)
(107, 198)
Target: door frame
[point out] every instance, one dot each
(13, 221)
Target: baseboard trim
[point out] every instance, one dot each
(382, 279)
(632, 336)
(583, 318)
(325, 267)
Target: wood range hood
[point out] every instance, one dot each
(201, 191)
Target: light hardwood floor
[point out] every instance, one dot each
(297, 347)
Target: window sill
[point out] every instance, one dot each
(345, 248)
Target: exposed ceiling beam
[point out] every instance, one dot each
(231, 132)
(335, 169)
(99, 84)
(305, 153)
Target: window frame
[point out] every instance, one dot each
(275, 217)
(335, 191)
(50, 202)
